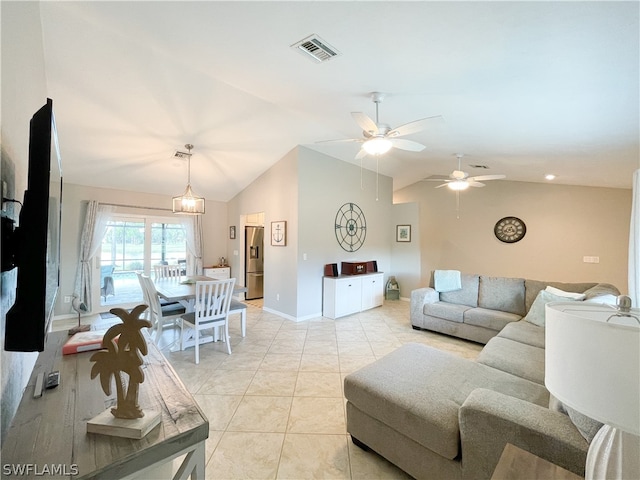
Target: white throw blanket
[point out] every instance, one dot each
(447, 280)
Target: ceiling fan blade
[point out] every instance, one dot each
(443, 185)
(475, 184)
(343, 140)
(404, 144)
(365, 122)
(436, 178)
(415, 126)
(361, 154)
(487, 177)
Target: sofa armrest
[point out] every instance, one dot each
(425, 295)
(419, 298)
(489, 420)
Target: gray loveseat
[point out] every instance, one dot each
(439, 416)
(485, 304)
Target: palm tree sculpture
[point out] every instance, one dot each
(123, 355)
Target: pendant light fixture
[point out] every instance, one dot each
(188, 203)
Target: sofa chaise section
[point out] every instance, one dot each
(419, 407)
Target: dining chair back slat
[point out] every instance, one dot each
(211, 310)
(166, 271)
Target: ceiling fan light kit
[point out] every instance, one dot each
(458, 185)
(188, 203)
(377, 146)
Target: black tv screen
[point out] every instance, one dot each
(36, 239)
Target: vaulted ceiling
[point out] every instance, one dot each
(525, 88)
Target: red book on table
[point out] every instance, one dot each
(84, 342)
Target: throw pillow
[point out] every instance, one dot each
(562, 293)
(587, 426)
(536, 312)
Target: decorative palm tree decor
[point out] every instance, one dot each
(123, 347)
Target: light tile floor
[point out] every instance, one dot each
(276, 407)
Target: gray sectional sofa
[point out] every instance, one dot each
(438, 416)
(485, 305)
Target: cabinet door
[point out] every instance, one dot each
(372, 291)
(348, 296)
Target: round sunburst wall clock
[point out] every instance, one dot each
(510, 229)
(350, 227)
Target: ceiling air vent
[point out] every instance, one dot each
(181, 155)
(316, 48)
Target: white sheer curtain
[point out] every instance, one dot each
(193, 230)
(95, 226)
(634, 243)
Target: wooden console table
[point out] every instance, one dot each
(50, 432)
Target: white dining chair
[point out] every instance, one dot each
(159, 315)
(211, 311)
(165, 271)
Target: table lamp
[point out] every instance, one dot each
(592, 364)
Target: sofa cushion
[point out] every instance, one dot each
(536, 314)
(417, 390)
(533, 287)
(524, 332)
(469, 293)
(446, 311)
(502, 293)
(491, 319)
(516, 358)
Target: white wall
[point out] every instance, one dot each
(275, 193)
(564, 224)
(306, 189)
(325, 185)
(405, 256)
(24, 91)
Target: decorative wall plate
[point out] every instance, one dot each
(351, 227)
(510, 229)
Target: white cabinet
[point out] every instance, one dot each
(349, 294)
(219, 273)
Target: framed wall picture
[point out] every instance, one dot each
(403, 233)
(279, 233)
(232, 232)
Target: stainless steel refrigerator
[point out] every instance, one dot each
(254, 261)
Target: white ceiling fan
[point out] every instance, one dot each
(459, 180)
(379, 138)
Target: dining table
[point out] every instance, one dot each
(183, 289)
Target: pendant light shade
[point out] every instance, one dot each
(188, 203)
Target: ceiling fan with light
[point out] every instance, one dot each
(459, 180)
(379, 138)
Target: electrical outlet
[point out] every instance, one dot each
(277, 297)
(67, 299)
(591, 259)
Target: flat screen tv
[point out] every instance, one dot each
(35, 242)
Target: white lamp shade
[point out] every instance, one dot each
(593, 365)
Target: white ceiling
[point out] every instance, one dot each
(525, 88)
